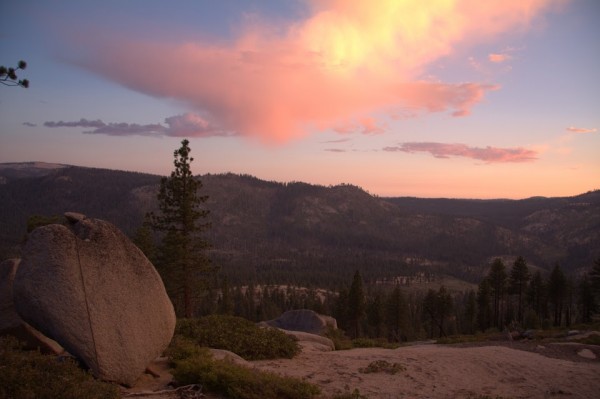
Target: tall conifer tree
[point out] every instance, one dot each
(519, 276)
(182, 259)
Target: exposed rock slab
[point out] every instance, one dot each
(91, 289)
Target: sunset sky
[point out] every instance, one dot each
(463, 98)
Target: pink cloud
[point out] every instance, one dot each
(345, 62)
(573, 129)
(487, 154)
(498, 58)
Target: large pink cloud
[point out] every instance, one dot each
(487, 154)
(346, 62)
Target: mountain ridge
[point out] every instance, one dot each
(270, 231)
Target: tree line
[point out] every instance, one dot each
(505, 298)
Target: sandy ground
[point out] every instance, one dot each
(501, 369)
(435, 371)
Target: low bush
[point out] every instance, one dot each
(592, 339)
(31, 375)
(458, 339)
(382, 366)
(195, 365)
(239, 336)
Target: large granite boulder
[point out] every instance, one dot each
(11, 323)
(90, 288)
(303, 320)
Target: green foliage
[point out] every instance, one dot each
(459, 339)
(592, 339)
(340, 340)
(195, 365)
(382, 366)
(182, 261)
(373, 343)
(356, 304)
(239, 336)
(31, 375)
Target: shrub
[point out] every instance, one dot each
(382, 366)
(363, 343)
(31, 375)
(239, 336)
(231, 380)
(339, 339)
(592, 339)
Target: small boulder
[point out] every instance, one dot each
(90, 288)
(303, 320)
(11, 323)
(586, 353)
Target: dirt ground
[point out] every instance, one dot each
(494, 369)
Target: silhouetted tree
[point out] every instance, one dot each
(595, 277)
(144, 239)
(484, 307)
(396, 315)
(497, 279)
(470, 314)
(226, 300)
(519, 276)
(356, 304)
(586, 300)
(376, 315)
(557, 292)
(182, 260)
(537, 295)
(8, 75)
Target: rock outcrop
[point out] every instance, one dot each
(91, 289)
(303, 320)
(11, 323)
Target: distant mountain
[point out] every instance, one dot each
(314, 235)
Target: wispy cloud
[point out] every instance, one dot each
(486, 154)
(80, 123)
(347, 60)
(573, 129)
(335, 150)
(30, 124)
(185, 125)
(343, 140)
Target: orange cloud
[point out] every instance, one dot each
(574, 129)
(487, 154)
(347, 61)
(498, 58)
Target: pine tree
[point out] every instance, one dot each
(484, 308)
(182, 260)
(537, 295)
(470, 315)
(376, 316)
(586, 300)
(396, 315)
(595, 277)
(557, 293)
(497, 279)
(519, 276)
(356, 304)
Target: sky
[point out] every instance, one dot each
(437, 98)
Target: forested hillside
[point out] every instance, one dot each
(268, 232)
